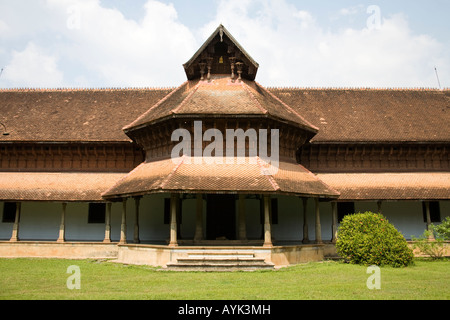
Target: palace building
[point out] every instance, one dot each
(87, 173)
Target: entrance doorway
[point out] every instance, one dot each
(221, 217)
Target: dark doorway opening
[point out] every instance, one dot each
(221, 217)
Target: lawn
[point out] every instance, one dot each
(46, 279)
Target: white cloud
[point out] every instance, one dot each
(351, 10)
(82, 43)
(123, 52)
(3, 28)
(33, 67)
(294, 50)
(100, 47)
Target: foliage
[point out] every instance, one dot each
(443, 230)
(45, 279)
(369, 239)
(435, 248)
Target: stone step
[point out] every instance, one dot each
(222, 261)
(222, 255)
(219, 260)
(217, 267)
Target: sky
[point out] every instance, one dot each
(144, 43)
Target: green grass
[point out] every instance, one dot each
(32, 279)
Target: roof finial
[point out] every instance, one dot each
(221, 33)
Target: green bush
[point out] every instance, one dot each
(443, 230)
(435, 249)
(369, 239)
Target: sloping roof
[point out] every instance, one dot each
(73, 115)
(390, 186)
(341, 115)
(373, 115)
(188, 176)
(221, 31)
(59, 187)
(221, 97)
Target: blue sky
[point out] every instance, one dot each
(143, 43)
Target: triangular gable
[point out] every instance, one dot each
(221, 54)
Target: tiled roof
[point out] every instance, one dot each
(341, 115)
(225, 33)
(64, 187)
(73, 115)
(247, 177)
(221, 97)
(373, 115)
(390, 186)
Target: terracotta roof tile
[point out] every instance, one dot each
(221, 96)
(67, 187)
(390, 186)
(373, 115)
(167, 176)
(342, 115)
(73, 115)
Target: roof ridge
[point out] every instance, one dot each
(361, 88)
(272, 181)
(288, 107)
(317, 178)
(122, 179)
(166, 180)
(187, 98)
(258, 104)
(103, 89)
(155, 105)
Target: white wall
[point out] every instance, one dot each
(40, 221)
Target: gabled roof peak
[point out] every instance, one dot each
(221, 54)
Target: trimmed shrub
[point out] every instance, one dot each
(369, 239)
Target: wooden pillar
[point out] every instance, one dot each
(379, 203)
(137, 201)
(427, 211)
(267, 227)
(334, 221)
(15, 231)
(318, 226)
(199, 218)
(108, 223)
(305, 221)
(174, 199)
(242, 224)
(62, 225)
(123, 225)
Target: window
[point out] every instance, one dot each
(435, 212)
(9, 212)
(97, 212)
(344, 208)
